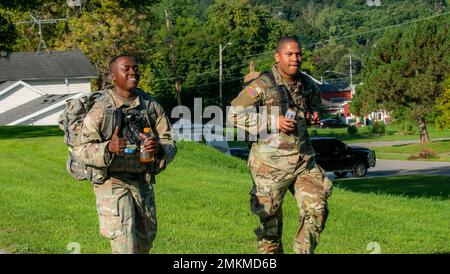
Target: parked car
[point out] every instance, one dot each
(222, 146)
(335, 156)
(240, 152)
(331, 123)
(185, 130)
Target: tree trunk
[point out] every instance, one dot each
(424, 137)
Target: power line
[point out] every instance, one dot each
(201, 73)
(352, 35)
(316, 43)
(210, 84)
(215, 83)
(378, 29)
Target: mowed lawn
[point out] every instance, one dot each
(364, 134)
(202, 205)
(441, 149)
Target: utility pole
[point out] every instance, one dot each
(172, 57)
(220, 70)
(351, 74)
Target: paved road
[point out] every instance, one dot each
(397, 167)
(392, 143)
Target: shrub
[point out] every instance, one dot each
(352, 130)
(378, 127)
(408, 130)
(426, 153)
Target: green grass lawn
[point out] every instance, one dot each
(402, 152)
(364, 134)
(202, 205)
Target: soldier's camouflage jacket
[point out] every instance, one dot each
(277, 149)
(92, 145)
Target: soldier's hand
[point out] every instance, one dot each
(116, 144)
(312, 118)
(285, 125)
(150, 144)
(315, 117)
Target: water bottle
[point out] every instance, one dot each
(146, 157)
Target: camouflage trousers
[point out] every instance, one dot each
(127, 213)
(310, 187)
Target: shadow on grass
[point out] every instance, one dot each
(10, 132)
(408, 186)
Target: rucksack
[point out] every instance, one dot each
(71, 120)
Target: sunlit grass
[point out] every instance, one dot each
(202, 206)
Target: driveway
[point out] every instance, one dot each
(391, 143)
(397, 167)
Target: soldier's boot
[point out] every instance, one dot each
(270, 247)
(271, 223)
(304, 247)
(146, 225)
(269, 237)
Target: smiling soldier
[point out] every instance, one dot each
(123, 185)
(289, 162)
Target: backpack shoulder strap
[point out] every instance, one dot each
(269, 75)
(282, 92)
(147, 103)
(107, 103)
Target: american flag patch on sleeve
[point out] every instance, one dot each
(251, 92)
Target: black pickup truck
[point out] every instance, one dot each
(335, 156)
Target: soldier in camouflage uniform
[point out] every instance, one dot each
(123, 185)
(284, 160)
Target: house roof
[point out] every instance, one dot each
(335, 86)
(44, 66)
(6, 84)
(328, 103)
(31, 107)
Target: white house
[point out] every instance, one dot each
(34, 87)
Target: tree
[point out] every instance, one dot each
(249, 29)
(407, 69)
(101, 30)
(7, 35)
(108, 28)
(443, 107)
(328, 56)
(8, 32)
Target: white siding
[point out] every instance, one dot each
(16, 97)
(60, 87)
(45, 119)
